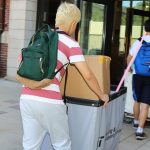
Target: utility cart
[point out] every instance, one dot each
(93, 127)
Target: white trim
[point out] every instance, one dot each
(62, 57)
(76, 58)
(68, 41)
(52, 87)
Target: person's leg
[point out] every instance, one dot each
(140, 135)
(136, 85)
(143, 114)
(56, 122)
(136, 112)
(144, 106)
(33, 132)
(145, 101)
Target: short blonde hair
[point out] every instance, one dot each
(66, 13)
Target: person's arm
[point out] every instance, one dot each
(33, 84)
(129, 57)
(131, 52)
(91, 80)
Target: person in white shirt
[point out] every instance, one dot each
(141, 88)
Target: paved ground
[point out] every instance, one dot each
(10, 120)
(11, 127)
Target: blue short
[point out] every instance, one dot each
(141, 88)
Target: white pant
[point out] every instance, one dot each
(39, 118)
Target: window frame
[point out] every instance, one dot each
(129, 20)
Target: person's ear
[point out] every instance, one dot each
(74, 23)
(72, 27)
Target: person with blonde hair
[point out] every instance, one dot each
(43, 110)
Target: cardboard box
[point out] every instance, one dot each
(76, 85)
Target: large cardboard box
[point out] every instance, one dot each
(76, 85)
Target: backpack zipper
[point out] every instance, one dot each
(32, 40)
(41, 65)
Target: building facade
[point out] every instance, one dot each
(20, 24)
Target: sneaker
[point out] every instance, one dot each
(135, 126)
(140, 136)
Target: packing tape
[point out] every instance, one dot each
(101, 59)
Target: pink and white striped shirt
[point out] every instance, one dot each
(68, 51)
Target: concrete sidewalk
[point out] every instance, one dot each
(10, 119)
(11, 126)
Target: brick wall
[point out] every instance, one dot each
(7, 9)
(4, 44)
(3, 59)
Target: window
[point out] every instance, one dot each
(147, 5)
(91, 27)
(138, 4)
(137, 27)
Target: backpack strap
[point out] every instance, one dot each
(53, 48)
(59, 69)
(66, 76)
(60, 31)
(65, 99)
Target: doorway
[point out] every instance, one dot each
(46, 12)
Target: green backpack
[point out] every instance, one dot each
(39, 59)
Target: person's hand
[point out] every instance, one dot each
(41, 84)
(105, 99)
(34, 85)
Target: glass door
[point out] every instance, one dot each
(134, 26)
(91, 27)
(95, 28)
